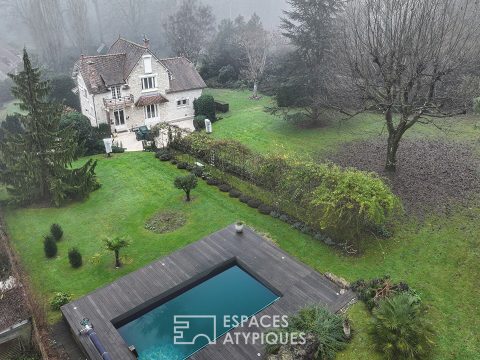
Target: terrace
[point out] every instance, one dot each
(120, 302)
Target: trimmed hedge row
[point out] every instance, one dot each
(346, 203)
(263, 208)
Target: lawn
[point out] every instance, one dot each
(247, 122)
(439, 257)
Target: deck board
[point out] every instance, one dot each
(298, 284)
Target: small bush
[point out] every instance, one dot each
(50, 246)
(75, 258)
(245, 199)
(199, 122)
(275, 214)
(212, 181)
(287, 219)
(60, 299)
(323, 327)
(225, 188)
(56, 231)
(254, 203)
(205, 105)
(373, 291)
(117, 149)
(174, 162)
(234, 193)
(197, 171)
(164, 155)
(182, 165)
(265, 209)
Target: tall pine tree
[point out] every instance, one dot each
(311, 26)
(36, 163)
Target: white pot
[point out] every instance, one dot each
(239, 228)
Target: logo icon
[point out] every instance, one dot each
(186, 329)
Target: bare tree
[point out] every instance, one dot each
(408, 59)
(99, 21)
(45, 24)
(132, 13)
(255, 42)
(77, 13)
(189, 29)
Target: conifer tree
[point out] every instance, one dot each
(36, 163)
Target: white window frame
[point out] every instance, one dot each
(116, 92)
(149, 114)
(183, 102)
(144, 82)
(119, 119)
(147, 64)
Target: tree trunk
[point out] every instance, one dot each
(392, 147)
(117, 259)
(255, 89)
(188, 195)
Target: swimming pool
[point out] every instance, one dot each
(198, 310)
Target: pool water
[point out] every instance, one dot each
(233, 292)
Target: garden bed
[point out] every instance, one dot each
(431, 174)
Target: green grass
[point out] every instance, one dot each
(247, 122)
(438, 258)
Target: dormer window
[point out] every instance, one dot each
(116, 92)
(147, 64)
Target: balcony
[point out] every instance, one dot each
(120, 102)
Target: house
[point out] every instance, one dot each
(129, 87)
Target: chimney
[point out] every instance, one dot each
(146, 42)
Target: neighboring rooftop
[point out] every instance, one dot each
(298, 284)
(102, 71)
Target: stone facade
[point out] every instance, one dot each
(121, 110)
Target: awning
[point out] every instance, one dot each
(145, 100)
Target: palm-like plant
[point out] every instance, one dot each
(115, 245)
(401, 329)
(324, 327)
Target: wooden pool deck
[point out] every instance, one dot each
(298, 284)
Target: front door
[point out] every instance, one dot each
(119, 116)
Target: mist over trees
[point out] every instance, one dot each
(414, 61)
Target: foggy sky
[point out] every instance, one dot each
(13, 31)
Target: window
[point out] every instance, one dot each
(85, 93)
(148, 83)
(116, 92)
(147, 64)
(151, 111)
(183, 102)
(119, 117)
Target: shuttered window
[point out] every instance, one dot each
(147, 64)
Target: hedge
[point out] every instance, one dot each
(345, 203)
